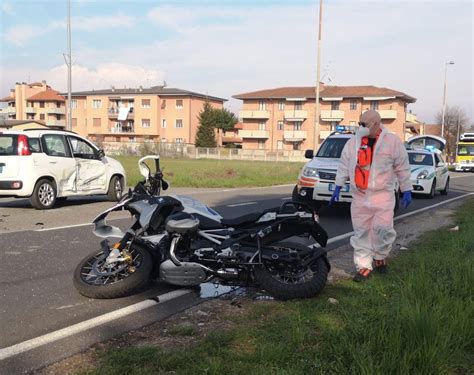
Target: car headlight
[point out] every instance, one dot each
(422, 175)
(310, 172)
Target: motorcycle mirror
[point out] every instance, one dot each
(164, 185)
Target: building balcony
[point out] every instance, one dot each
(114, 112)
(122, 129)
(30, 110)
(410, 117)
(10, 111)
(332, 115)
(262, 134)
(296, 115)
(254, 114)
(294, 135)
(56, 111)
(388, 114)
(61, 123)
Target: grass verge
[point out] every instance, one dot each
(418, 319)
(209, 173)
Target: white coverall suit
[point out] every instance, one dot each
(372, 209)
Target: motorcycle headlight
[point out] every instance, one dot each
(310, 172)
(422, 175)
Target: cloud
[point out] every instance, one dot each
(21, 35)
(7, 8)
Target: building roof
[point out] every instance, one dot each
(154, 90)
(7, 99)
(326, 92)
(10, 123)
(48, 95)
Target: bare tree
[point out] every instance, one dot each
(455, 120)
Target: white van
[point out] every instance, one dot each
(46, 164)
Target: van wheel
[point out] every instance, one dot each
(44, 195)
(115, 189)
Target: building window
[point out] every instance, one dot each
(280, 125)
(179, 103)
(374, 105)
(41, 116)
(261, 145)
(145, 123)
(58, 117)
(97, 103)
(73, 103)
(96, 122)
(163, 123)
(334, 106)
(163, 140)
(298, 106)
(146, 103)
(281, 105)
(298, 125)
(163, 104)
(41, 104)
(179, 140)
(279, 145)
(261, 105)
(179, 123)
(353, 105)
(296, 146)
(261, 125)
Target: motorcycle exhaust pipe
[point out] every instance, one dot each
(178, 263)
(228, 273)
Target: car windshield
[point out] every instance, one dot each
(332, 148)
(420, 159)
(8, 145)
(465, 150)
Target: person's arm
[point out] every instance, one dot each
(401, 166)
(343, 170)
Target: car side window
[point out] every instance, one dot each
(55, 145)
(436, 160)
(81, 149)
(35, 145)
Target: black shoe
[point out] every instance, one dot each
(362, 275)
(381, 266)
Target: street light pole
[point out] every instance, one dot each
(318, 75)
(444, 95)
(69, 63)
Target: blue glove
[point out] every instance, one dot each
(335, 196)
(406, 199)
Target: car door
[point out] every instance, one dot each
(91, 170)
(56, 160)
(441, 172)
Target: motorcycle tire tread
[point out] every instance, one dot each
(130, 285)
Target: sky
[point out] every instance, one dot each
(223, 48)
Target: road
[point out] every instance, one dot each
(40, 249)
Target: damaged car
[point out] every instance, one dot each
(47, 165)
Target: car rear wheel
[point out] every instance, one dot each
(44, 195)
(446, 188)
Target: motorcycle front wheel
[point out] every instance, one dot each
(286, 283)
(94, 278)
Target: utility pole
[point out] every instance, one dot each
(318, 74)
(444, 95)
(69, 67)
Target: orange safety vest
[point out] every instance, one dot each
(364, 161)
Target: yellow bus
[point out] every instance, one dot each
(465, 153)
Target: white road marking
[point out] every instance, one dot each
(88, 324)
(287, 199)
(348, 234)
(461, 176)
(241, 204)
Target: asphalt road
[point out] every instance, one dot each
(40, 249)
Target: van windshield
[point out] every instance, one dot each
(8, 144)
(465, 150)
(332, 148)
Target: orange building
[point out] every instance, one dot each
(283, 118)
(155, 114)
(35, 101)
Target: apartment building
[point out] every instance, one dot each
(35, 101)
(155, 114)
(283, 118)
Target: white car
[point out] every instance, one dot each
(316, 181)
(429, 172)
(46, 164)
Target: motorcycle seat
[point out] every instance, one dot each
(242, 220)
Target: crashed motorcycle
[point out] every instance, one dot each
(183, 242)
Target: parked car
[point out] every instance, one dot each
(316, 181)
(46, 165)
(429, 172)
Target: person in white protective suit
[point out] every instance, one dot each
(373, 160)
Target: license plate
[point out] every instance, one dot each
(344, 189)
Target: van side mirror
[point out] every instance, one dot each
(309, 154)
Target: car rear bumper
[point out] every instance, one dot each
(15, 188)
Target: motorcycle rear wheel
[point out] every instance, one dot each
(284, 285)
(92, 279)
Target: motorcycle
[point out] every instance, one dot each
(183, 242)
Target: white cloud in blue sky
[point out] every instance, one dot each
(227, 47)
